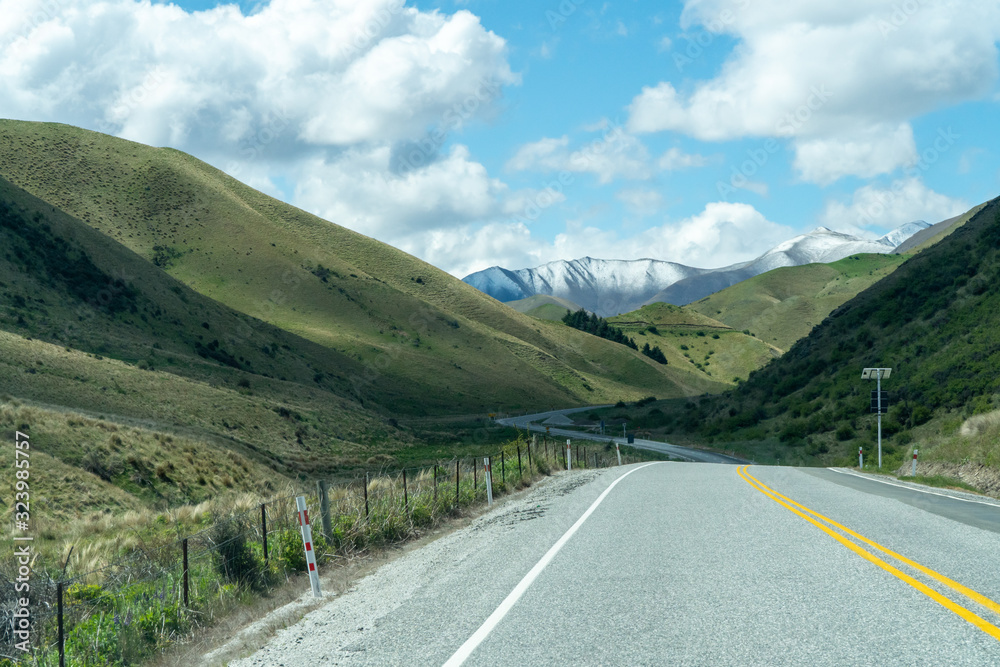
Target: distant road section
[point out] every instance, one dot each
(534, 423)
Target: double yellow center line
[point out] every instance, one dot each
(815, 518)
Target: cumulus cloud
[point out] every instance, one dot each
(339, 72)
(865, 153)
(891, 64)
(873, 210)
(675, 159)
(352, 103)
(356, 189)
(615, 154)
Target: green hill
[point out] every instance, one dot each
(168, 334)
(694, 343)
(418, 340)
(935, 321)
(783, 305)
(925, 238)
(544, 306)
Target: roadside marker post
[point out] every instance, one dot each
(913, 468)
(489, 480)
(307, 544)
(861, 459)
(569, 457)
(619, 453)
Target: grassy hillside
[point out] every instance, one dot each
(418, 341)
(925, 238)
(783, 305)
(544, 306)
(935, 321)
(695, 344)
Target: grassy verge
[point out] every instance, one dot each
(940, 481)
(125, 605)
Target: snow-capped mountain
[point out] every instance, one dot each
(610, 286)
(897, 236)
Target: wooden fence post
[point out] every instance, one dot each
(62, 638)
(184, 551)
(263, 528)
(366, 495)
(324, 508)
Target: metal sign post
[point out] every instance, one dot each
(879, 390)
(878, 374)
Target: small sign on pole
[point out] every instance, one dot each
(307, 544)
(569, 458)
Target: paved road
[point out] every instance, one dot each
(966, 508)
(676, 565)
(533, 423)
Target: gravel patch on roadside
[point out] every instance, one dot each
(326, 635)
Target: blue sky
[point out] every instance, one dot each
(514, 133)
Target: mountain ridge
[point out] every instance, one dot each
(613, 287)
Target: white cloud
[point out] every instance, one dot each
(616, 154)
(783, 81)
(664, 44)
(340, 72)
(866, 153)
(640, 201)
(756, 187)
(885, 208)
(967, 161)
(675, 159)
(613, 155)
(357, 189)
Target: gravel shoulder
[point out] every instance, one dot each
(329, 631)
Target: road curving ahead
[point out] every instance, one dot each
(534, 423)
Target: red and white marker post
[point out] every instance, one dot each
(619, 453)
(307, 544)
(569, 457)
(913, 468)
(489, 480)
(861, 460)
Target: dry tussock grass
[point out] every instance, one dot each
(982, 425)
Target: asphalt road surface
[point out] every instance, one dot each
(534, 423)
(679, 564)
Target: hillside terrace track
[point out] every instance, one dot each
(676, 451)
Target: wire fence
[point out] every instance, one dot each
(150, 598)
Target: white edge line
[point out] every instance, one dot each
(466, 649)
(904, 486)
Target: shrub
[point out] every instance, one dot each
(234, 559)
